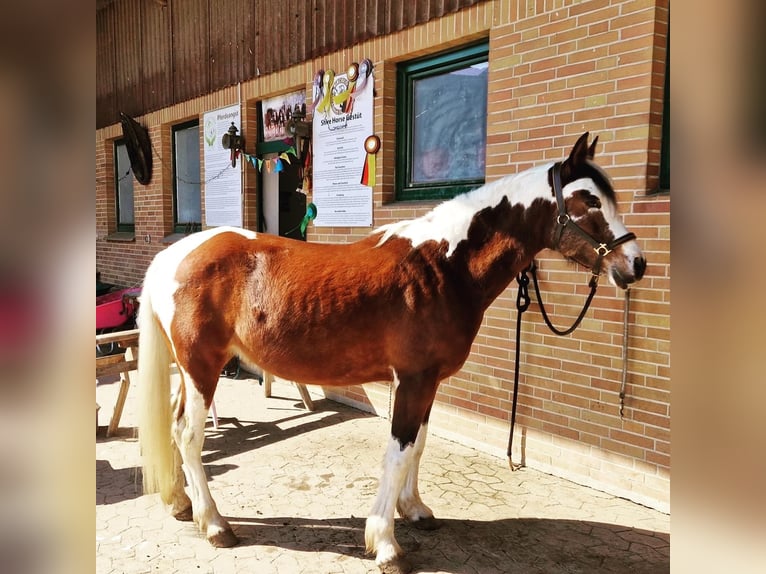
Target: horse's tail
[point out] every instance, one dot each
(155, 414)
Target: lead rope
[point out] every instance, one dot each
(626, 313)
(522, 303)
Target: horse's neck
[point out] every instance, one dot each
(502, 241)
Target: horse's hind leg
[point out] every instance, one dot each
(181, 504)
(189, 434)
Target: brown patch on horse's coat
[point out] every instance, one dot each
(334, 314)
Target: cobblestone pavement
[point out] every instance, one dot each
(297, 486)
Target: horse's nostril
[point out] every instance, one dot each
(639, 266)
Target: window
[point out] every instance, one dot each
(442, 124)
(123, 188)
(187, 202)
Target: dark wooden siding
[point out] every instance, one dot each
(190, 21)
(156, 61)
(106, 92)
(152, 55)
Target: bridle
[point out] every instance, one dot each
(564, 221)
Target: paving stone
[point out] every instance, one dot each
(297, 487)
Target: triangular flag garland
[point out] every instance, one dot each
(273, 164)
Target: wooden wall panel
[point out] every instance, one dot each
(190, 21)
(232, 42)
(156, 56)
(129, 76)
(106, 94)
(151, 55)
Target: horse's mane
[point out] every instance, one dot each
(450, 220)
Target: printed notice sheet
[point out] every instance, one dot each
(341, 124)
(223, 183)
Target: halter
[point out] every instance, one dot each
(563, 221)
(522, 300)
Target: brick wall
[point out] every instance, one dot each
(557, 68)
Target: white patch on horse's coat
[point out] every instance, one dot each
(379, 529)
(450, 220)
(162, 271)
(409, 504)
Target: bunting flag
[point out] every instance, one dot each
(272, 164)
(371, 146)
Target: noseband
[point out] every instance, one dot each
(564, 221)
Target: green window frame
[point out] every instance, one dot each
(123, 188)
(441, 123)
(187, 197)
(665, 145)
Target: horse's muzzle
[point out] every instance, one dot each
(639, 266)
(623, 278)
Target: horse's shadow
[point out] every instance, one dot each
(514, 545)
(236, 436)
(233, 437)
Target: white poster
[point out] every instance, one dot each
(343, 121)
(223, 183)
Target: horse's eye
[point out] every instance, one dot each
(593, 201)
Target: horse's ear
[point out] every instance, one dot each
(580, 151)
(592, 148)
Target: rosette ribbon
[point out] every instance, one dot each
(311, 213)
(371, 146)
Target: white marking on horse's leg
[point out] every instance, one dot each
(409, 504)
(190, 435)
(379, 530)
(180, 503)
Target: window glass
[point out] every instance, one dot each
(123, 185)
(449, 127)
(665, 149)
(442, 127)
(188, 207)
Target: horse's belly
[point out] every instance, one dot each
(327, 362)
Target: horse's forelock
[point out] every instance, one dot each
(601, 179)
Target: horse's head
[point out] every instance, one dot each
(588, 229)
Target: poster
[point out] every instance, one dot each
(277, 111)
(223, 183)
(343, 120)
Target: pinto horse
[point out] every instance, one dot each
(401, 305)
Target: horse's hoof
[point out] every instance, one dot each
(428, 523)
(224, 539)
(185, 515)
(396, 566)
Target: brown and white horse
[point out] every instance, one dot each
(401, 305)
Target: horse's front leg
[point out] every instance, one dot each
(414, 396)
(409, 504)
